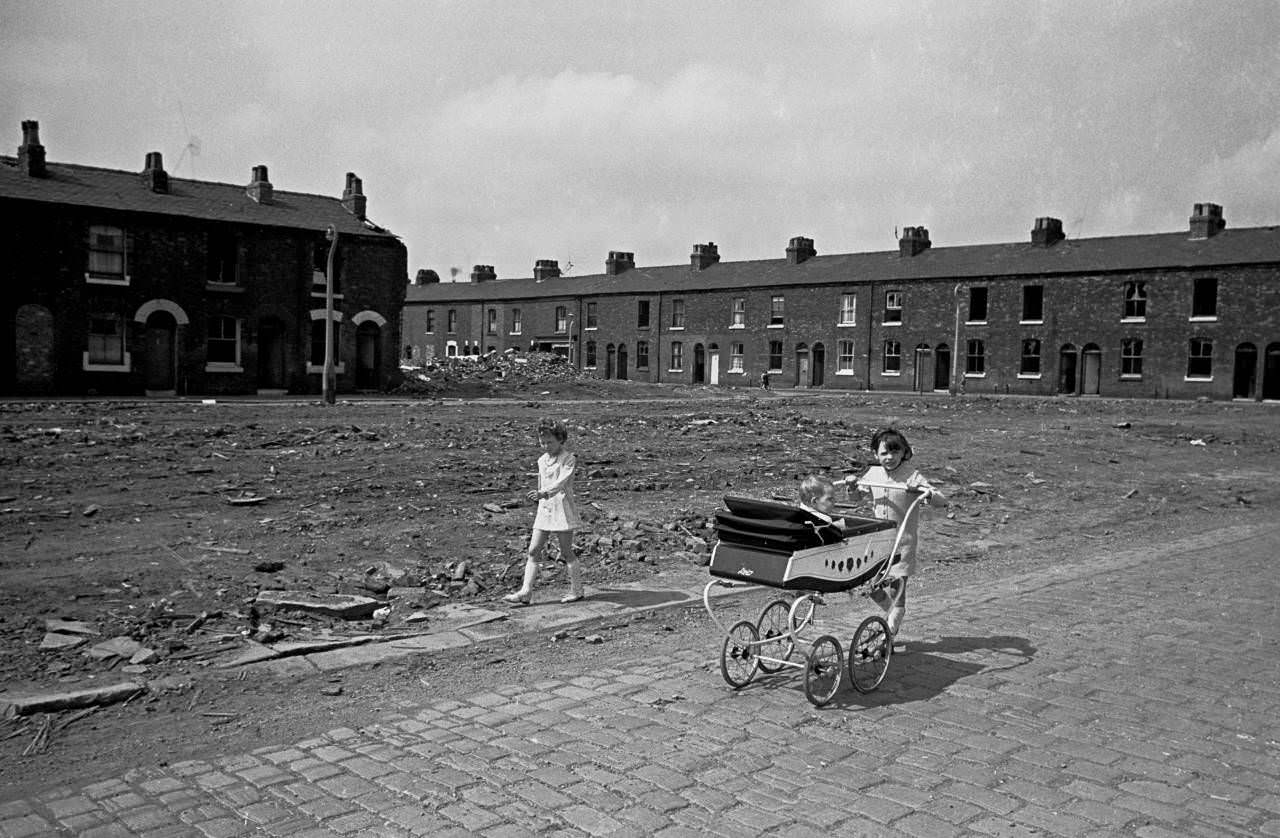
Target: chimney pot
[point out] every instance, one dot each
(483, 273)
(154, 177)
(31, 153)
(1047, 231)
(260, 189)
(914, 240)
(546, 269)
(704, 256)
(1206, 220)
(800, 249)
(353, 199)
(619, 261)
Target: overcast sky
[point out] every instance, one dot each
(506, 132)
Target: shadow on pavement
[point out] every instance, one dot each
(637, 599)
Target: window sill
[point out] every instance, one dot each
(846, 325)
(735, 326)
(849, 373)
(124, 366)
(339, 369)
(509, 334)
(775, 371)
(1133, 320)
(891, 323)
(776, 326)
(1030, 376)
(1198, 379)
(101, 279)
(590, 367)
(1213, 319)
(225, 287)
(1039, 322)
(675, 328)
(218, 366)
(975, 322)
(1130, 377)
(590, 328)
(673, 369)
(892, 373)
(975, 375)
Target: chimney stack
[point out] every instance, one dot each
(483, 273)
(1206, 221)
(259, 188)
(31, 153)
(1047, 231)
(799, 250)
(704, 256)
(154, 177)
(619, 261)
(353, 199)
(914, 240)
(546, 269)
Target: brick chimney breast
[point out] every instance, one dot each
(31, 153)
(483, 273)
(1206, 221)
(259, 188)
(546, 269)
(704, 256)
(353, 199)
(914, 240)
(619, 261)
(1047, 231)
(800, 249)
(154, 177)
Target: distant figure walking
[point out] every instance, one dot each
(764, 380)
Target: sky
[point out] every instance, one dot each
(501, 133)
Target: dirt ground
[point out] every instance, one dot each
(161, 523)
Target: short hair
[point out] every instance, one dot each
(894, 439)
(553, 427)
(813, 487)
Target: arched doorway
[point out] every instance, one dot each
(622, 360)
(713, 352)
(802, 365)
(271, 360)
(1244, 378)
(368, 356)
(1067, 358)
(818, 377)
(1091, 380)
(161, 354)
(942, 367)
(923, 371)
(33, 361)
(1271, 373)
(610, 360)
(699, 364)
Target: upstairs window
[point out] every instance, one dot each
(978, 305)
(893, 307)
(677, 314)
(848, 310)
(739, 320)
(777, 310)
(517, 326)
(591, 315)
(642, 314)
(491, 324)
(562, 320)
(320, 267)
(1135, 301)
(108, 260)
(431, 320)
(224, 259)
(1204, 298)
(1033, 304)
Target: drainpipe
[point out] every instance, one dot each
(327, 386)
(657, 345)
(955, 347)
(870, 330)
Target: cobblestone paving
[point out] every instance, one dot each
(1130, 694)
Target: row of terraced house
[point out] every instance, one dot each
(1187, 314)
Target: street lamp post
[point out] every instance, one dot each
(955, 348)
(329, 375)
(570, 317)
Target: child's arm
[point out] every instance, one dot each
(566, 475)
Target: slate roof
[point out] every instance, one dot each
(1246, 246)
(89, 186)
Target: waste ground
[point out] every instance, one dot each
(143, 541)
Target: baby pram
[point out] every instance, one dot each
(784, 546)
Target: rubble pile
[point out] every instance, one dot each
(507, 369)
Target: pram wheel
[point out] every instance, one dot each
(869, 654)
(738, 657)
(822, 671)
(773, 623)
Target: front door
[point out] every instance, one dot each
(622, 360)
(271, 355)
(819, 364)
(160, 353)
(699, 364)
(610, 360)
(1271, 373)
(1067, 370)
(1245, 376)
(1092, 371)
(802, 369)
(367, 360)
(942, 368)
(920, 374)
(715, 368)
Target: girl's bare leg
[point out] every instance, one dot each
(571, 566)
(537, 544)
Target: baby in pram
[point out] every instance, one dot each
(818, 498)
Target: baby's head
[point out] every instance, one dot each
(818, 493)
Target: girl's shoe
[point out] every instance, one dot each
(518, 598)
(570, 597)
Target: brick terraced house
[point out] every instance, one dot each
(1171, 315)
(132, 283)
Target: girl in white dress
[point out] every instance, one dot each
(557, 512)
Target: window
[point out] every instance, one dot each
(107, 262)
(1200, 359)
(893, 307)
(844, 357)
(106, 338)
(975, 358)
(1030, 365)
(1131, 358)
(591, 353)
(892, 364)
(224, 259)
(777, 310)
(431, 320)
(1204, 299)
(848, 310)
(491, 326)
(978, 305)
(452, 325)
(1032, 303)
(642, 354)
(775, 356)
(562, 320)
(591, 315)
(677, 314)
(1135, 301)
(739, 313)
(317, 343)
(735, 357)
(516, 325)
(677, 356)
(320, 268)
(223, 346)
(642, 314)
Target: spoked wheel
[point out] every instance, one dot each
(822, 671)
(738, 658)
(773, 623)
(869, 654)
